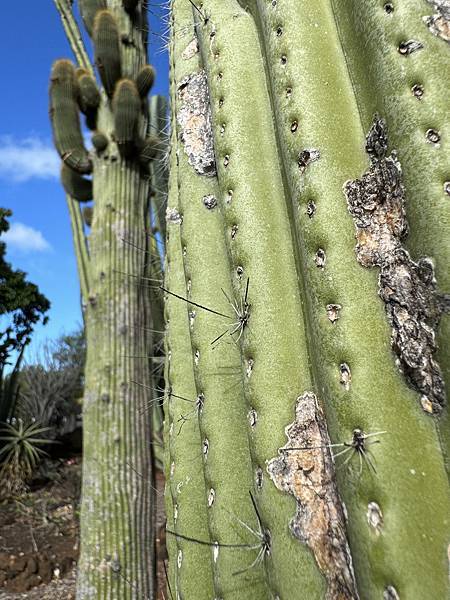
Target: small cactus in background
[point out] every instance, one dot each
(307, 427)
(117, 559)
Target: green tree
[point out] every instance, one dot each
(22, 306)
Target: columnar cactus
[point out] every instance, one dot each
(117, 533)
(307, 242)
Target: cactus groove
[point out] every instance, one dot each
(316, 384)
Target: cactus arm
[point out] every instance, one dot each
(64, 114)
(144, 80)
(222, 420)
(126, 106)
(75, 185)
(191, 563)
(72, 30)
(134, 30)
(106, 38)
(81, 247)
(304, 82)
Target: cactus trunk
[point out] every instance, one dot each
(117, 555)
(326, 404)
(116, 519)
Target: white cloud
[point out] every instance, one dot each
(21, 160)
(25, 238)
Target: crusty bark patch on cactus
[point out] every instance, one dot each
(307, 473)
(194, 117)
(439, 23)
(191, 49)
(408, 289)
(173, 216)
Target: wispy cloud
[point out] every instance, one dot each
(31, 157)
(24, 238)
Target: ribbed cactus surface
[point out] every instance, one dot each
(306, 269)
(116, 258)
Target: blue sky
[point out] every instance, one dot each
(40, 241)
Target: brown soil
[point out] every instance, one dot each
(39, 537)
(39, 534)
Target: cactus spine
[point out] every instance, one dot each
(314, 340)
(117, 516)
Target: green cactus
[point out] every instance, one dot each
(88, 10)
(75, 185)
(64, 94)
(117, 554)
(99, 141)
(89, 99)
(184, 462)
(126, 106)
(157, 148)
(145, 79)
(88, 215)
(149, 150)
(305, 362)
(106, 41)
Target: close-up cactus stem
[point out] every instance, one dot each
(295, 130)
(283, 239)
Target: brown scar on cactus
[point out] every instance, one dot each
(194, 118)
(333, 312)
(191, 49)
(408, 289)
(304, 469)
(439, 22)
(173, 216)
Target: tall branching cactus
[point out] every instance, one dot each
(117, 516)
(307, 248)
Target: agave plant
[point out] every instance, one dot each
(20, 453)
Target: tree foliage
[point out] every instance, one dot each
(22, 306)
